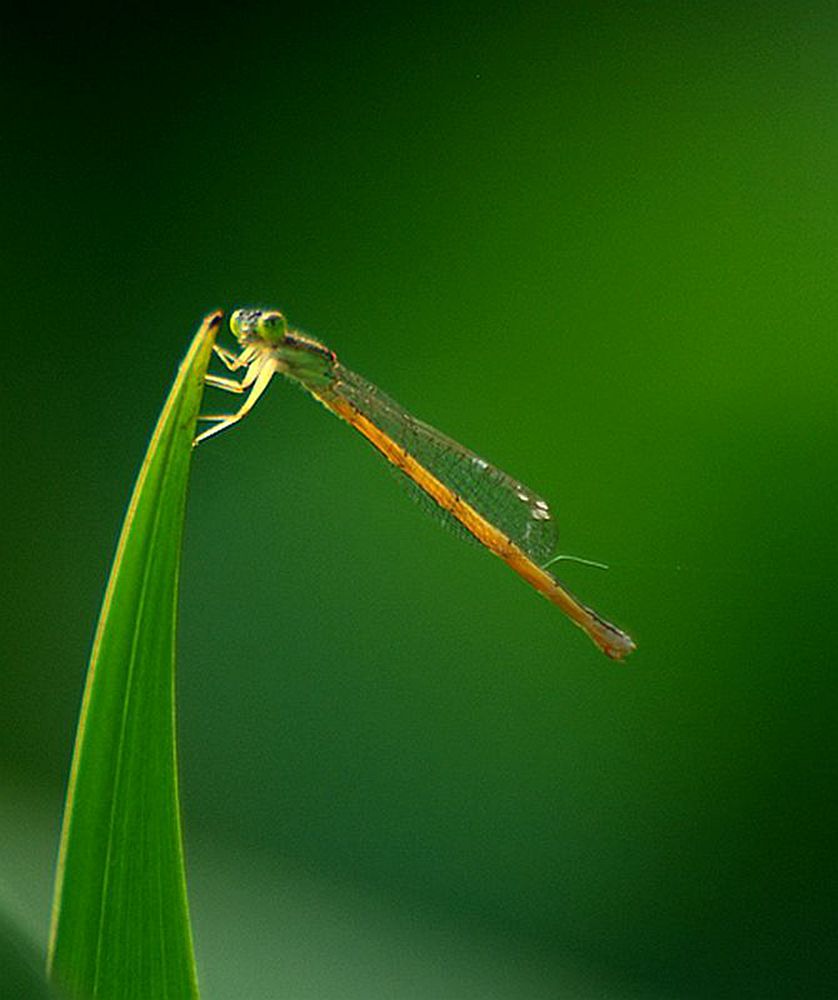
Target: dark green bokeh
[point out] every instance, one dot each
(596, 246)
(21, 965)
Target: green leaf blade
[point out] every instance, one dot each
(120, 923)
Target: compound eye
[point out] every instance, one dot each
(238, 323)
(272, 326)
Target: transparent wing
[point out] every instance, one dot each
(522, 515)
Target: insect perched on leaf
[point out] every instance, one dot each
(505, 516)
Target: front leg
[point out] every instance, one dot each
(230, 384)
(258, 377)
(232, 360)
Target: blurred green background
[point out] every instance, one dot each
(596, 244)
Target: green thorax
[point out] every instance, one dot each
(299, 356)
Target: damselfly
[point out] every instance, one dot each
(505, 516)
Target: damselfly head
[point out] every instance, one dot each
(251, 326)
(296, 354)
